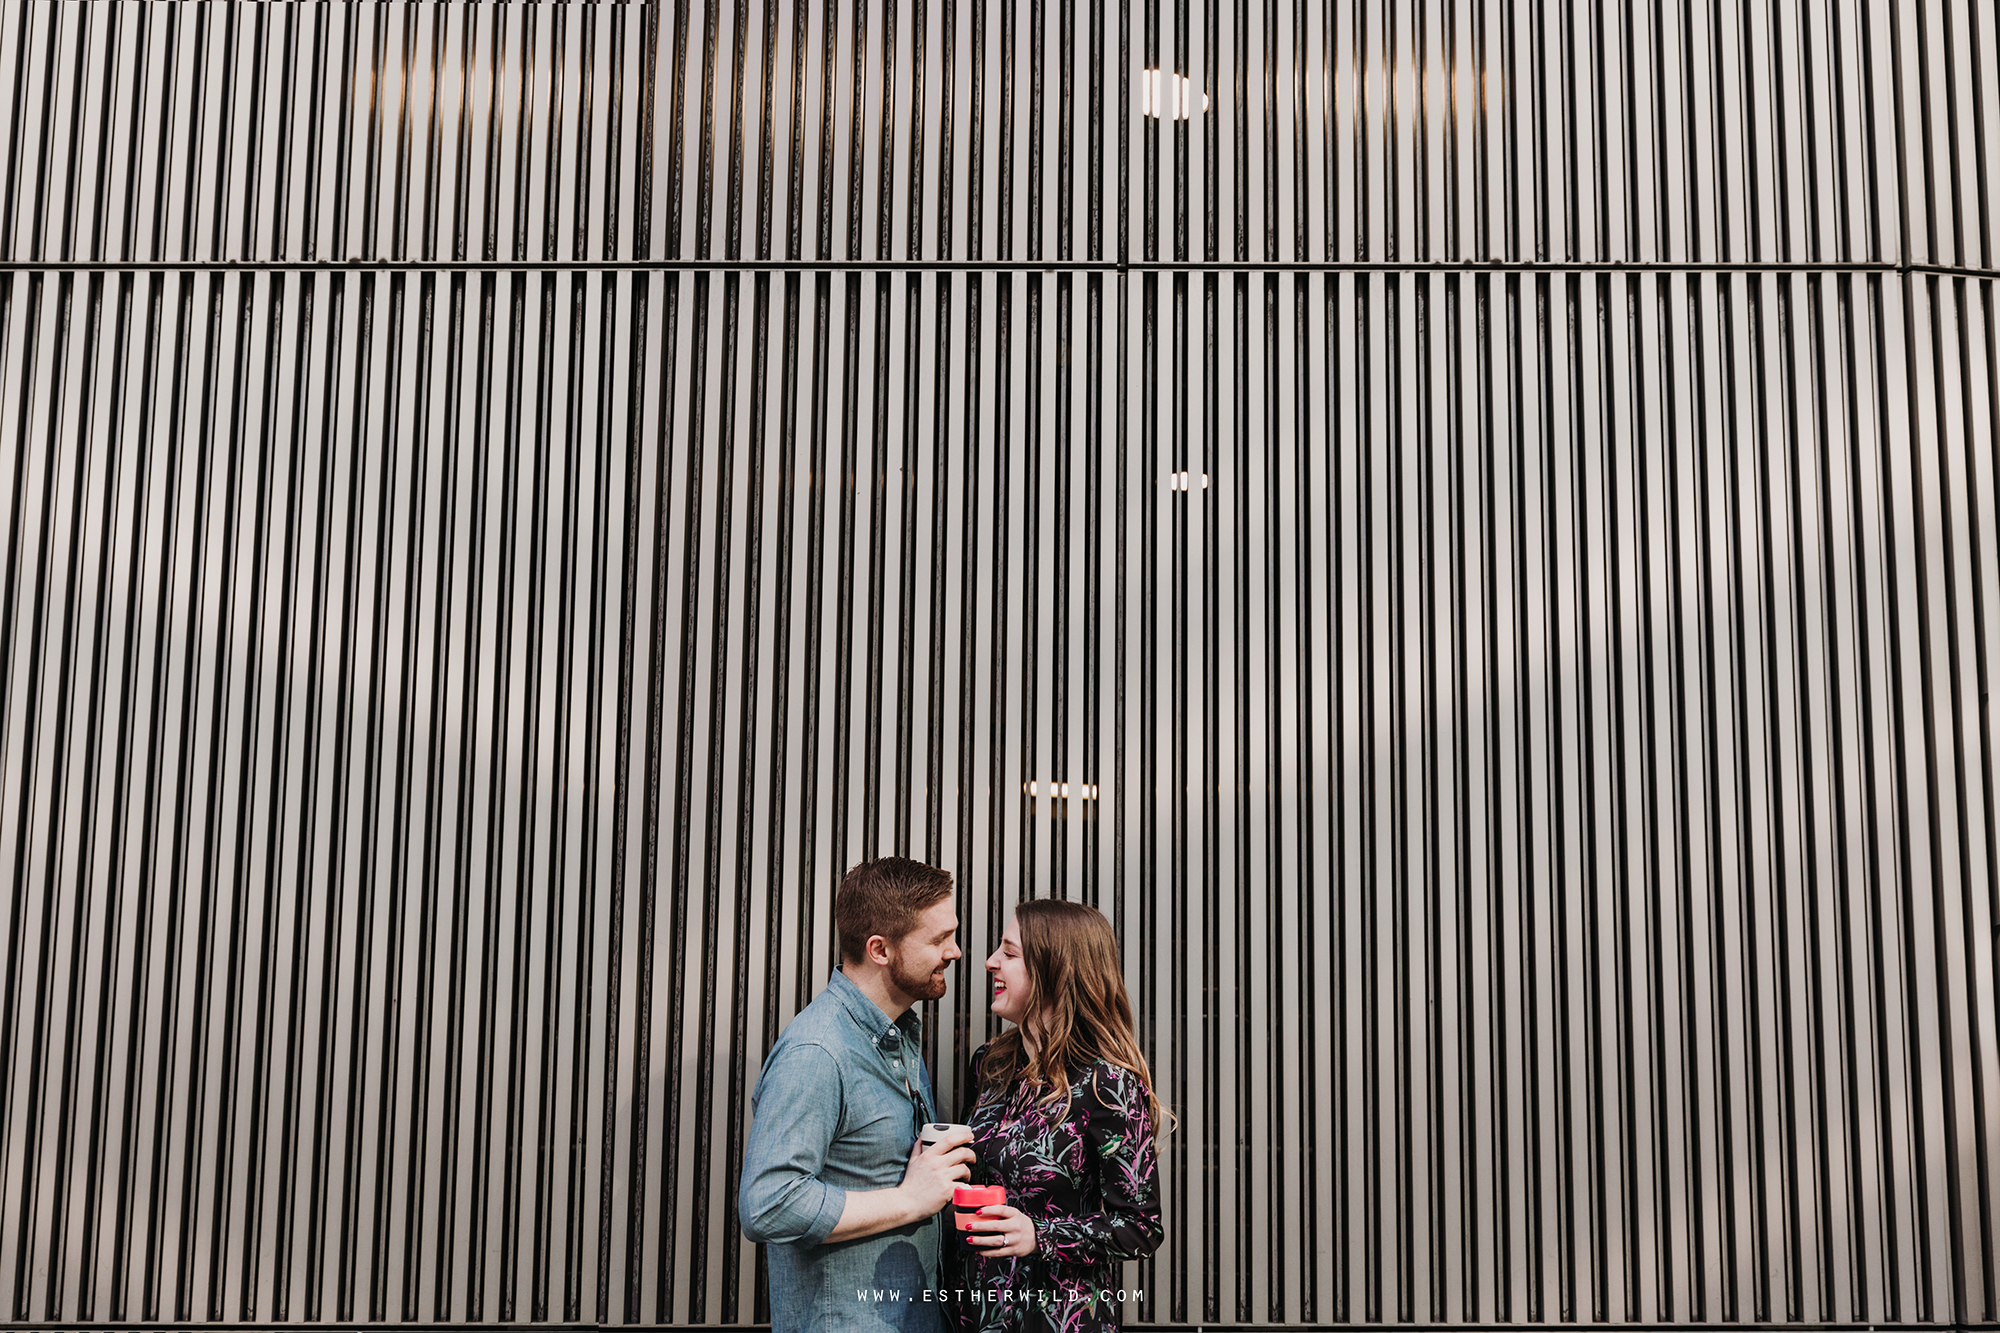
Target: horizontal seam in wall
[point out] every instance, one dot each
(496, 1327)
(970, 266)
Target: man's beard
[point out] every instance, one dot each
(918, 986)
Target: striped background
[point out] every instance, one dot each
(1475, 549)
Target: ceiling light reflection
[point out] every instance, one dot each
(1086, 791)
(1165, 96)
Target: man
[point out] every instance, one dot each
(833, 1182)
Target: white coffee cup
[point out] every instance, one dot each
(930, 1134)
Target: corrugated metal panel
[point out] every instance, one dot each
(1474, 546)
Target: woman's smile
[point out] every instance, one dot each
(1004, 962)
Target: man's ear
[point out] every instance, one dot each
(876, 950)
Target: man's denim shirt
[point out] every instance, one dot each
(831, 1113)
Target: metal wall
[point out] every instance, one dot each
(1474, 545)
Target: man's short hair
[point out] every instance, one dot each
(884, 897)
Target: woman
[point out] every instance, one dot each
(1063, 1115)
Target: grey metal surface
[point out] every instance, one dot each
(1475, 548)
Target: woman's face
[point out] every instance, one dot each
(1010, 977)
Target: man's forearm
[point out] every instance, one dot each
(869, 1211)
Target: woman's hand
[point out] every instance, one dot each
(1001, 1229)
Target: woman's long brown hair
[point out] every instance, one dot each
(1077, 1000)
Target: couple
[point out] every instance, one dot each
(856, 1212)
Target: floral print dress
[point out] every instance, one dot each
(1085, 1170)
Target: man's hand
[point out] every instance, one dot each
(932, 1175)
(926, 1189)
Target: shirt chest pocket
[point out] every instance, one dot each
(876, 1133)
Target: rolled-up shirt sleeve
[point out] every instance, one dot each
(796, 1114)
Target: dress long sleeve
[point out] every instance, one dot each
(1118, 1149)
(1084, 1171)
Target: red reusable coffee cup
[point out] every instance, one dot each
(967, 1200)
